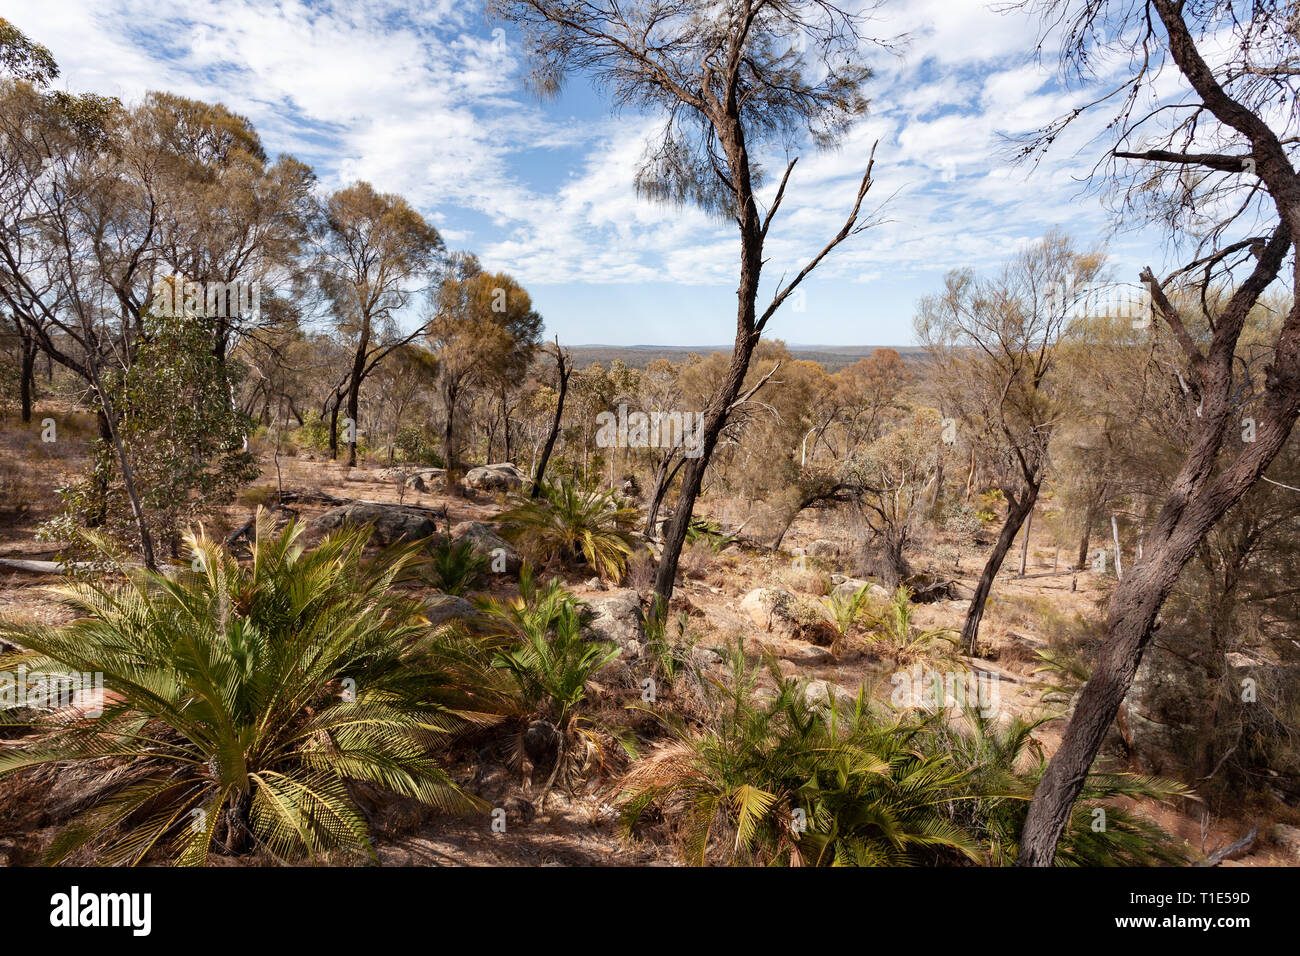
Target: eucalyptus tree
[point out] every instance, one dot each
(1205, 142)
(373, 253)
(730, 78)
(994, 346)
(482, 328)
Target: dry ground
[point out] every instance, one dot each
(581, 829)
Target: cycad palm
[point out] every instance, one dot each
(243, 702)
(784, 781)
(1003, 766)
(570, 524)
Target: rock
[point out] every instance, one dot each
(411, 475)
(426, 480)
(1287, 838)
(819, 693)
(847, 587)
(706, 656)
(392, 523)
(441, 607)
(781, 612)
(486, 542)
(519, 811)
(961, 592)
(504, 476)
(822, 548)
(619, 619)
(1158, 720)
(798, 655)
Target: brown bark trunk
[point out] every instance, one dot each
(1197, 499)
(562, 373)
(1017, 512)
(732, 137)
(27, 382)
(354, 385)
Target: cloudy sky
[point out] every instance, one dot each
(427, 99)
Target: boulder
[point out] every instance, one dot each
(1286, 838)
(426, 480)
(1159, 719)
(822, 548)
(619, 618)
(848, 587)
(781, 612)
(819, 693)
(486, 542)
(504, 476)
(441, 607)
(392, 523)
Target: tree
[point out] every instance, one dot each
(730, 78)
(563, 370)
(891, 478)
(372, 247)
(1217, 143)
(994, 345)
(483, 325)
(23, 58)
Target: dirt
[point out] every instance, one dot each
(580, 830)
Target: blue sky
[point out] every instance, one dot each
(427, 99)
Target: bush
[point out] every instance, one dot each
(784, 781)
(245, 701)
(454, 567)
(572, 525)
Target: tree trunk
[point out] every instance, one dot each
(715, 418)
(28, 379)
(1024, 543)
(1197, 499)
(732, 136)
(663, 480)
(354, 385)
(449, 439)
(334, 429)
(1017, 512)
(562, 372)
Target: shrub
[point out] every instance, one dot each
(453, 567)
(548, 662)
(572, 525)
(785, 781)
(895, 627)
(1002, 766)
(244, 701)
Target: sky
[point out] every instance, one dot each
(428, 99)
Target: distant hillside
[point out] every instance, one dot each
(831, 357)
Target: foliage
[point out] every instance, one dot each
(779, 780)
(417, 444)
(896, 628)
(243, 703)
(1003, 765)
(551, 660)
(709, 532)
(453, 567)
(848, 609)
(182, 436)
(570, 524)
